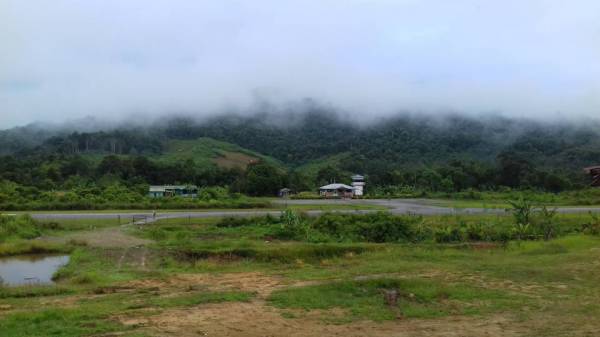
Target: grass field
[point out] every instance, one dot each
(274, 207)
(498, 199)
(493, 204)
(221, 277)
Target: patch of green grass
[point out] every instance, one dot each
(497, 199)
(93, 267)
(66, 225)
(193, 299)
(331, 207)
(21, 247)
(418, 298)
(455, 203)
(557, 279)
(548, 249)
(266, 252)
(59, 322)
(33, 291)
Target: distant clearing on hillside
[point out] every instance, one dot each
(234, 159)
(208, 152)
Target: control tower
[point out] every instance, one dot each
(358, 182)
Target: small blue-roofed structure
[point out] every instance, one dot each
(164, 191)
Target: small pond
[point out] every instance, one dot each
(30, 269)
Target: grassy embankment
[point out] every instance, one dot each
(270, 207)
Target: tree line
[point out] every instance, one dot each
(449, 154)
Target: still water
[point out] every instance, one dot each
(30, 269)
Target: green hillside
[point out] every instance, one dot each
(207, 151)
(311, 170)
(448, 154)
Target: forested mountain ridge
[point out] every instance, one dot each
(449, 152)
(404, 140)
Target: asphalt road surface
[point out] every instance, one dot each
(395, 206)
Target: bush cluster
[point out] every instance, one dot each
(18, 227)
(382, 227)
(114, 195)
(374, 227)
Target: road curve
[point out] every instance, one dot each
(395, 206)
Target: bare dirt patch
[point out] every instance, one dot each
(256, 319)
(234, 159)
(255, 282)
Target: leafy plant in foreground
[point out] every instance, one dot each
(293, 226)
(546, 224)
(521, 211)
(447, 234)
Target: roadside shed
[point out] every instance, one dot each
(594, 172)
(285, 192)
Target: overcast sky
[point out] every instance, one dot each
(65, 59)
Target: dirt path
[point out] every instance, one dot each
(111, 237)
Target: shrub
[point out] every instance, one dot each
(592, 227)
(374, 227)
(293, 226)
(18, 227)
(447, 234)
(521, 210)
(232, 222)
(422, 232)
(276, 253)
(521, 231)
(384, 227)
(475, 232)
(545, 224)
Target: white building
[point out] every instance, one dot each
(358, 183)
(336, 191)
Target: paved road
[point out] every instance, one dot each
(140, 218)
(423, 206)
(396, 206)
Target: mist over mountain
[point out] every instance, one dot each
(65, 60)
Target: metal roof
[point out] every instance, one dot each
(336, 187)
